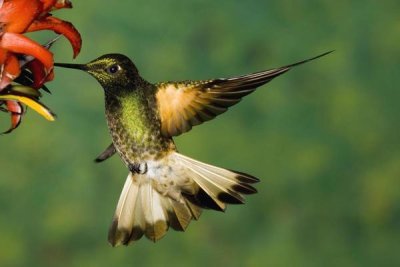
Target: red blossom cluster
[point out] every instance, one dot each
(25, 65)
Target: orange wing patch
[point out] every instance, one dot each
(179, 105)
(185, 104)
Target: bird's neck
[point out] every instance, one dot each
(133, 102)
(132, 108)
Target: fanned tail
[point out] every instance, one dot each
(217, 186)
(171, 193)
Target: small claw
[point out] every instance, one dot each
(32, 103)
(17, 15)
(61, 27)
(18, 43)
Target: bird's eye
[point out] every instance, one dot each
(113, 69)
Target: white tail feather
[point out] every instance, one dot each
(127, 203)
(172, 193)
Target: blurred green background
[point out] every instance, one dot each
(323, 138)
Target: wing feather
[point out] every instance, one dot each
(183, 105)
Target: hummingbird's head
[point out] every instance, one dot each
(115, 72)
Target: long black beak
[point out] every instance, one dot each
(71, 66)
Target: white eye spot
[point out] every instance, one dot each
(113, 69)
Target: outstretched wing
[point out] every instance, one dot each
(183, 105)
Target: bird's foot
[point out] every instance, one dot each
(139, 168)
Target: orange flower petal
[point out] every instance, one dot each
(59, 26)
(18, 43)
(16, 114)
(17, 15)
(3, 56)
(11, 70)
(50, 76)
(12, 65)
(47, 4)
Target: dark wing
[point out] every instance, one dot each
(110, 151)
(189, 103)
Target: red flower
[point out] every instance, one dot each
(25, 61)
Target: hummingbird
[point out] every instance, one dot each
(165, 189)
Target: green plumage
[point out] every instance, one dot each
(131, 109)
(134, 124)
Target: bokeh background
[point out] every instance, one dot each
(323, 138)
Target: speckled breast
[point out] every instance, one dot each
(136, 132)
